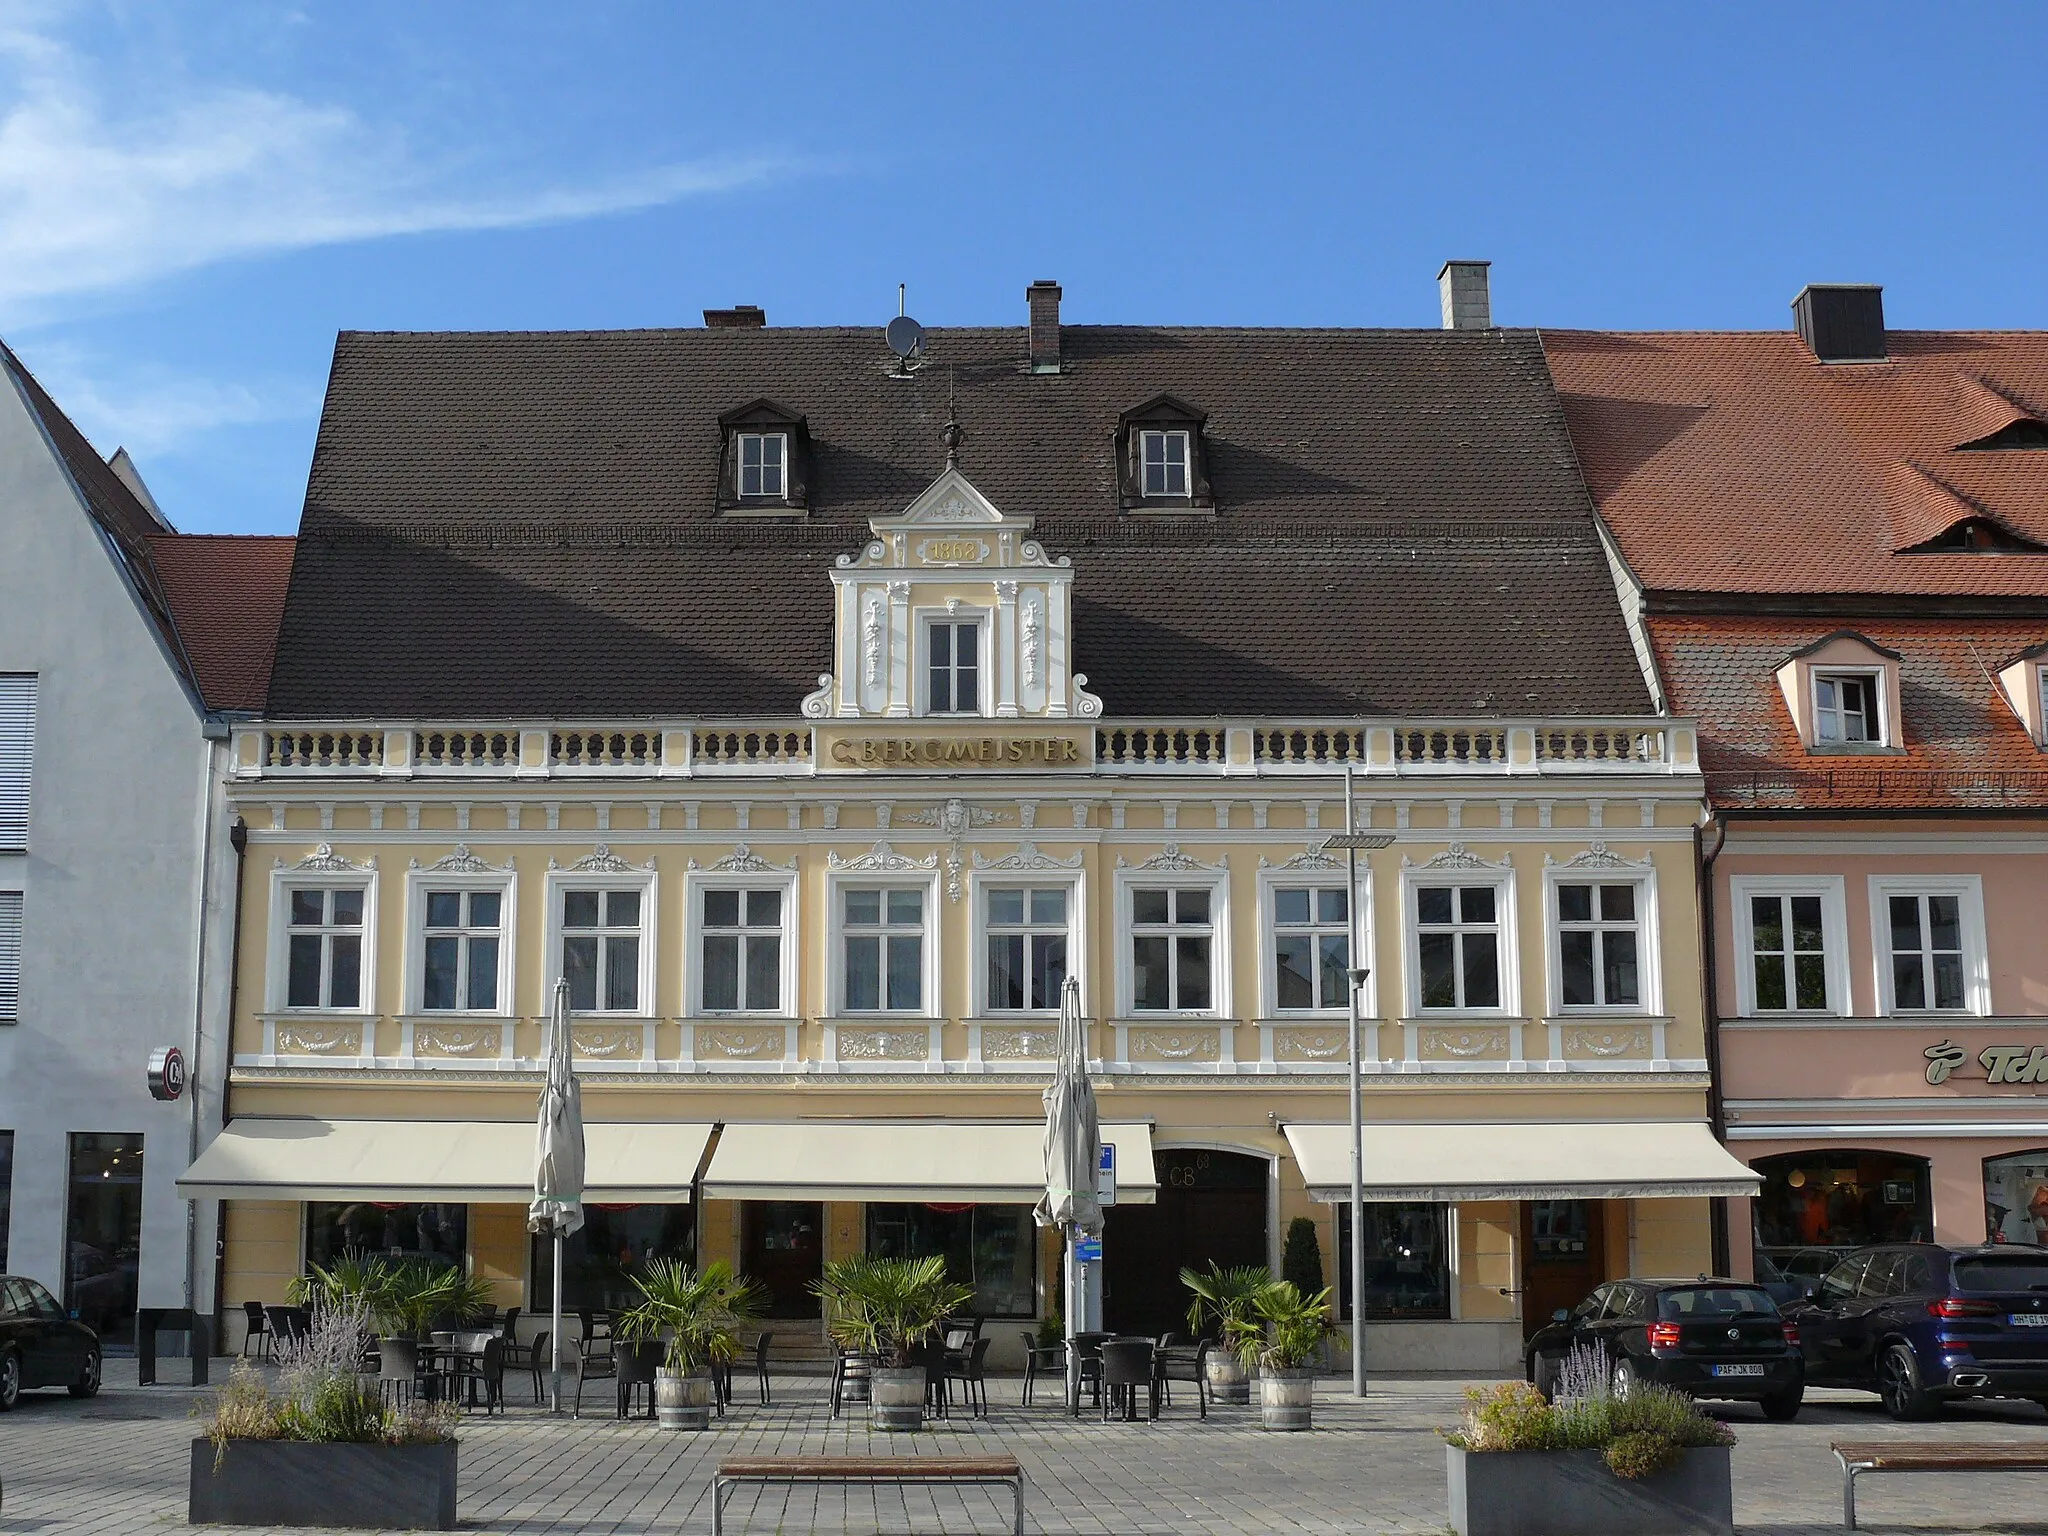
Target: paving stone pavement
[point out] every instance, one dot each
(115, 1466)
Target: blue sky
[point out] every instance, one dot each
(195, 197)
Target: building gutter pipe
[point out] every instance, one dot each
(1710, 986)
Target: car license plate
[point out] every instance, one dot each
(2029, 1319)
(1738, 1370)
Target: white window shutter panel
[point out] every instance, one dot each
(10, 956)
(17, 742)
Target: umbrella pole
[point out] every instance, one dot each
(555, 1334)
(1076, 1293)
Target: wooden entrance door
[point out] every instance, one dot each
(782, 1249)
(1563, 1257)
(1211, 1205)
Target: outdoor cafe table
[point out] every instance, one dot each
(442, 1360)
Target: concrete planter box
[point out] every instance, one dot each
(1572, 1493)
(294, 1482)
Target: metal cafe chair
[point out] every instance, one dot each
(256, 1337)
(852, 1379)
(1042, 1360)
(1127, 1367)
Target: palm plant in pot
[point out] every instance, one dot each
(696, 1315)
(1283, 1337)
(1223, 1297)
(891, 1309)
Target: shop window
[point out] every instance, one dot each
(103, 1229)
(993, 1248)
(601, 949)
(396, 1230)
(1815, 1206)
(1457, 945)
(740, 950)
(1599, 945)
(2016, 1197)
(1172, 949)
(324, 947)
(1407, 1262)
(460, 950)
(600, 1259)
(1311, 954)
(882, 958)
(1027, 947)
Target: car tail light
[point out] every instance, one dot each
(1663, 1335)
(1792, 1334)
(1955, 1306)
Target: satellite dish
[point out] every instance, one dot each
(906, 338)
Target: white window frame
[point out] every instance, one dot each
(695, 885)
(418, 882)
(17, 758)
(739, 466)
(1507, 923)
(978, 888)
(1969, 893)
(643, 881)
(836, 885)
(1649, 937)
(1217, 883)
(1166, 435)
(983, 620)
(1872, 678)
(1271, 880)
(277, 962)
(1834, 924)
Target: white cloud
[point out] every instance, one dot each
(149, 409)
(96, 198)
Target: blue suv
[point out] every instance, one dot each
(1921, 1325)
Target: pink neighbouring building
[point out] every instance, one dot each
(1833, 544)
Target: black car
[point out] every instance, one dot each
(40, 1346)
(1707, 1338)
(1920, 1324)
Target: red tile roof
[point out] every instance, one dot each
(1965, 748)
(1734, 462)
(227, 596)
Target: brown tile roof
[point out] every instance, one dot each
(1734, 463)
(1965, 748)
(227, 595)
(523, 525)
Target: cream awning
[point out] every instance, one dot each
(1529, 1160)
(930, 1160)
(486, 1162)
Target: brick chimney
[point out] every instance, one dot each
(1468, 306)
(741, 317)
(1044, 298)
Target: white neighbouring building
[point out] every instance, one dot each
(126, 648)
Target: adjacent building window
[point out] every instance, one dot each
(1173, 940)
(1027, 946)
(17, 746)
(601, 949)
(1929, 933)
(324, 947)
(953, 670)
(741, 953)
(1457, 943)
(10, 957)
(1311, 947)
(438, 1234)
(614, 1243)
(1845, 707)
(1165, 463)
(461, 951)
(1407, 1262)
(993, 1248)
(1599, 944)
(763, 457)
(882, 934)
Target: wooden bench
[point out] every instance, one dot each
(984, 1471)
(1858, 1456)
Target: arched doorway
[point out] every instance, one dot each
(1211, 1206)
(1814, 1207)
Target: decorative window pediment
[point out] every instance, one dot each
(1162, 465)
(765, 460)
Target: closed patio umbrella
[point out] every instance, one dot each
(557, 1208)
(1073, 1149)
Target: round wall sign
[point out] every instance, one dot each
(166, 1072)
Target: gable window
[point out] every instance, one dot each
(1457, 946)
(324, 948)
(1172, 949)
(1845, 707)
(1599, 945)
(601, 949)
(1027, 947)
(740, 960)
(1165, 463)
(460, 956)
(882, 953)
(1311, 952)
(953, 666)
(762, 458)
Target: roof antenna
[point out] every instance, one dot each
(950, 434)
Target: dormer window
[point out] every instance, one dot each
(2025, 432)
(1161, 462)
(1165, 458)
(1845, 707)
(763, 456)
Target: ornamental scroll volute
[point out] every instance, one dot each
(952, 557)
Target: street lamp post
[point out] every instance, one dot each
(1357, 972)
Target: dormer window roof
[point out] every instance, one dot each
(765, 460)
(1161, 462)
